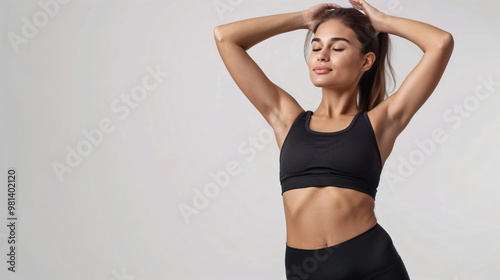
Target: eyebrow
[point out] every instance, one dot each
(331, 39)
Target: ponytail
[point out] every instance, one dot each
(372, 85)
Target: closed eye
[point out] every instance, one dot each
(337, 50)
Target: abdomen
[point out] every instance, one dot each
(318, 217)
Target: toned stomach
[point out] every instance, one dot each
(319, 217)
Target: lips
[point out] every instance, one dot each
(322, 69)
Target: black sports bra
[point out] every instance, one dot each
(349, 158)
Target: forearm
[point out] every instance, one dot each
(247, 33)
(424, 35)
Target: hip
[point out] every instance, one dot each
(368, 255)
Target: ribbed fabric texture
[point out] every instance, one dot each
(349, 158)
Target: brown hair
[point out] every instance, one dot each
(372, 85)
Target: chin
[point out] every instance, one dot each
(322, 80)
(318, 85)
(321, 83)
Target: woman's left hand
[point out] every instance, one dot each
(377, 18)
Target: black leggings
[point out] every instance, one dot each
(368, 256)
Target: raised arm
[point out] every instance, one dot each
(437, 46)
(234, 39)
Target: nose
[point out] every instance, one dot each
(322, 56)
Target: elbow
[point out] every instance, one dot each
(446, 43)
(224, 36)
(218, 34)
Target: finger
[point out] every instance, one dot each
(357, 5)
(367, 4)
(333, 6)
(356, 2)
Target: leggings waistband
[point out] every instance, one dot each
(361, 235)
(361, 257)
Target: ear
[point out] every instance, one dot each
(368, 61)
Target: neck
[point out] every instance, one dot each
(337, 102)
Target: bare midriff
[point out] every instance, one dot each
(319, 217)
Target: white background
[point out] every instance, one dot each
(117, 214)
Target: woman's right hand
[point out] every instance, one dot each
(314, 14)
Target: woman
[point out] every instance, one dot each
(331, 159)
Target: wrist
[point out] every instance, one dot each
(300, 20)
(384, 25)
